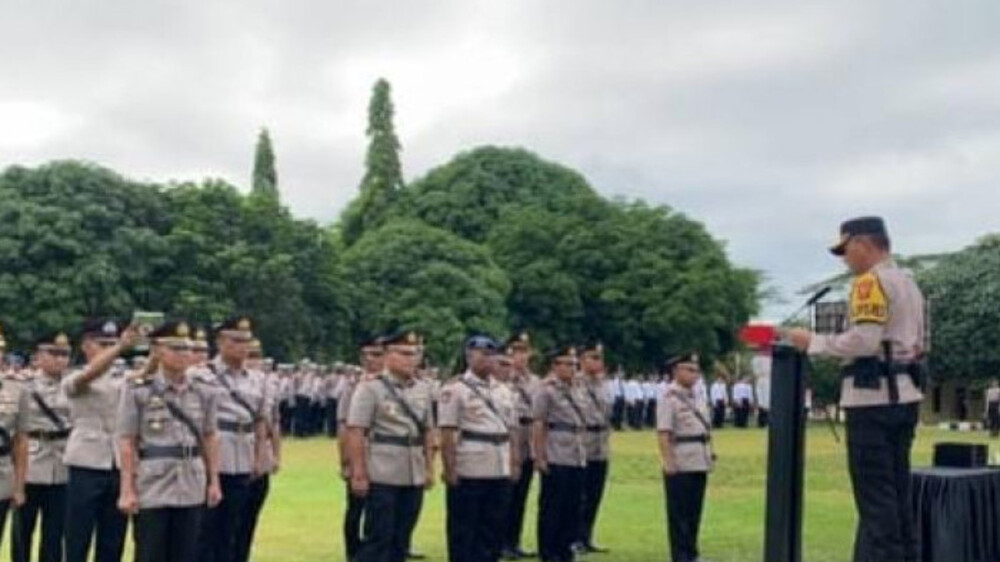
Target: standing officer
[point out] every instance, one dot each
(597, 410)
(242, 423)
(880, 392)
(742, 402)
(372, 355)
(719, 395)
(169, 450)
(685, 455)
(390, 450)
(13, 445)
(45, 412)
(91, 452)
(993, 408)
(524, 383)
(476, 420)
(560, 456)
(199, 349)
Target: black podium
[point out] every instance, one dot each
(785, 456)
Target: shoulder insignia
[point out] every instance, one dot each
(868, 302)
(140, 381)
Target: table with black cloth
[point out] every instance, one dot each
(957, 514)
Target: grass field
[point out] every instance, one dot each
(303, 516)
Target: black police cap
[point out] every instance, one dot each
(235, 324)
(172, 329)
(101, 328)
(518, 340)
(592, 346)
(402, 337)
(561, 351)
(53, 339)
(858, 227)
(481, 341)
(686, 357)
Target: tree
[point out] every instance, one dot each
(408, 275)
(383, 179)
(265, 175)
(964, 294)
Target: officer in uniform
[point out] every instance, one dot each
(199, 349)
(477, 418)
(372, 355)
(880, 390)
(169, 446)
(260, 485)
(91, 453)
(685, 455)
(243, 426)
(13, 445)
(597, 409)
(993, 408)
(390, 450)
(45, 413)
(719, 395)
(560, 455)
(524, 383)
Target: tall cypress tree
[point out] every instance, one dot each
(383, 177)
(265, 176)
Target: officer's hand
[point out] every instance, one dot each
(214, 496)
(128, 502)
(515, 473)
(542, 466)
(450, 478)
(669, 470)
(130, 337)
(17, 498)
(429, 483)
(799, 337)
(359, 485)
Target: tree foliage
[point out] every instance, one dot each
(265, 174)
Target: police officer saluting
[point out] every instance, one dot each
(390, 450)
(476, 420)
(46, 423)
(91, 452)
(685, 455)
(169, 450)
(242, 424)
(597, 409)
(880, 391)
(560, 456)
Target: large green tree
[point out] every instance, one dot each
(964, 294)
(383, 179)
(265, 174)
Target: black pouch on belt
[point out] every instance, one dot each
(866, 372)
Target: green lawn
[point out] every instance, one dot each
(304, 513)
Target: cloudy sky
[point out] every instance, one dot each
(768, 121)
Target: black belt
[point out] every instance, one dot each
(525, 421)
(558, 426)
(692, 439)
(169, 452)
(494, 438)
(4, 450)
(597, 428)
(398, 440)
(49, 435)
(235, 427)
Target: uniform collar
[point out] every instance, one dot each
(397, 380)
(471, 377)
(166, 383)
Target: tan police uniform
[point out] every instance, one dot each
(523, 386)
(596, 408)
(11, 422)
(483, 413)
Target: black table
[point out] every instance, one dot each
(957, 514)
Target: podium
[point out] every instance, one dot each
(785, 456)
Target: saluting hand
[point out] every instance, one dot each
(130, 337)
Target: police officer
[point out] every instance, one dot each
(91, 452)
(13, 445)
(719, 395)
(199, 349)
(993, 408)
(390, 450)
(372, 355)
(46, 423)
(524, 384)
(685, 455)
(880, 391)
(242, 423)
(169, 450)
(560, 455)
(260, 485)
(597, 410)
(477, 419)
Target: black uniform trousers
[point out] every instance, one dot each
(301, 425)
(389, 515)
(993, 418)
(618, 413)
(719, 414)
(286, 410)
(413, 525)
(475, 520)
(650, 412)
(352, 524)
(879, 439)
(49, 500)
(594, 478)
(514, 524)
(167, 534)
(741, 413)
(685, 493)
(256, 496)
(559, 512)
(761, 417)
(4, 508)
(330, 409)
(92, 503)
(220, 523)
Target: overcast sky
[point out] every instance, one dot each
(768, 121)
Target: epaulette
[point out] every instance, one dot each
(139, 380)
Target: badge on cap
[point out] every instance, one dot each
(524, 337)
(109, 328)
(411, 338)
(183, 330)
(243, 324)
(62, 340)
